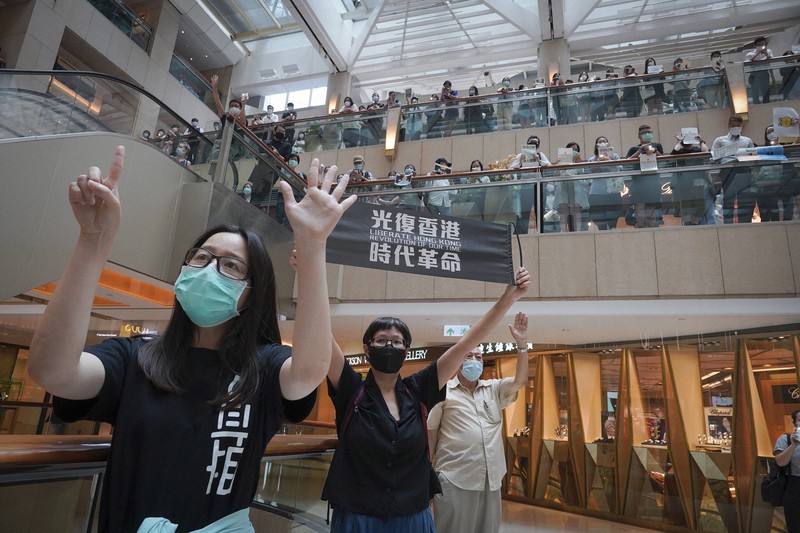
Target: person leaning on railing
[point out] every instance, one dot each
(351, 129)
(693, 190)
(712, 88)
(759, 79)
(605, 194)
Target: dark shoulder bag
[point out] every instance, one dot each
(774, 483)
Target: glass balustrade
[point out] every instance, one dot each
(773, 80)
(194, 82)
(604, 196)
(679, 190)
(126, 21)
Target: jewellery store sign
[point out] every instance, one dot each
(413, 355)
(786, 394)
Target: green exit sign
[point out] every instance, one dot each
(455, 331)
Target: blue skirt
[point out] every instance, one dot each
(346, 522)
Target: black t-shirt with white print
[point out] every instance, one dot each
(174, 455)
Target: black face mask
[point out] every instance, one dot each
(279, 135)
(387, 359)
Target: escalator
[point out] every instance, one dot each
(50, 136)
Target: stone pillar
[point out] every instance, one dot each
(553, 57)
(339, 85)
(32, 35)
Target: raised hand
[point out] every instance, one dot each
(214, 80)
(95, 200)
(523, 283)
(315, 216)
(520, 329)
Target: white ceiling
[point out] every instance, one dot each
(394, 44)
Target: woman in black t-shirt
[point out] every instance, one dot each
(193, 409)
(381, 477)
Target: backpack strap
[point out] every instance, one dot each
(352, 408)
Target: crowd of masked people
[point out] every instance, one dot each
(574, 197)
(578, 203)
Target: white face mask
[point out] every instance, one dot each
(476, 169)
(771, 136)
(735, 131)
(602, 145)
(234, 111)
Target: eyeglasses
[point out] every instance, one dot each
(381, 343)
(230, 267)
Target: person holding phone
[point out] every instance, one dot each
(787, 452)
(759, 80)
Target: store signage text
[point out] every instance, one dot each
(412, 355)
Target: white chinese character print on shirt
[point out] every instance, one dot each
(227, 446)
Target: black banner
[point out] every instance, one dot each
(387, 238)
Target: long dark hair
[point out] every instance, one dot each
(167, 358)
(596, 151)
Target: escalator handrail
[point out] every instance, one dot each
(109, 77)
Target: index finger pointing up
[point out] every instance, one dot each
(115, 171)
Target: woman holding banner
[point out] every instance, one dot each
(381, 477)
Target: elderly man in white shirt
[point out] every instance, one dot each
(466, 441)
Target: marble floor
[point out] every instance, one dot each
(519, 518)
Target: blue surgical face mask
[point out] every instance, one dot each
(409, 172)
(358, 166)
(472, 369)
(647, 137)
(293, 163)
(208, 297)
(179, 151)
(247, 190)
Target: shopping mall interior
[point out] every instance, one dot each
(664, 329)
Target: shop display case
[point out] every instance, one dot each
(679, 433)
(553, 477)
(517, 430)
(601, 429)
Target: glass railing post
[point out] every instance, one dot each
(220, 154)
